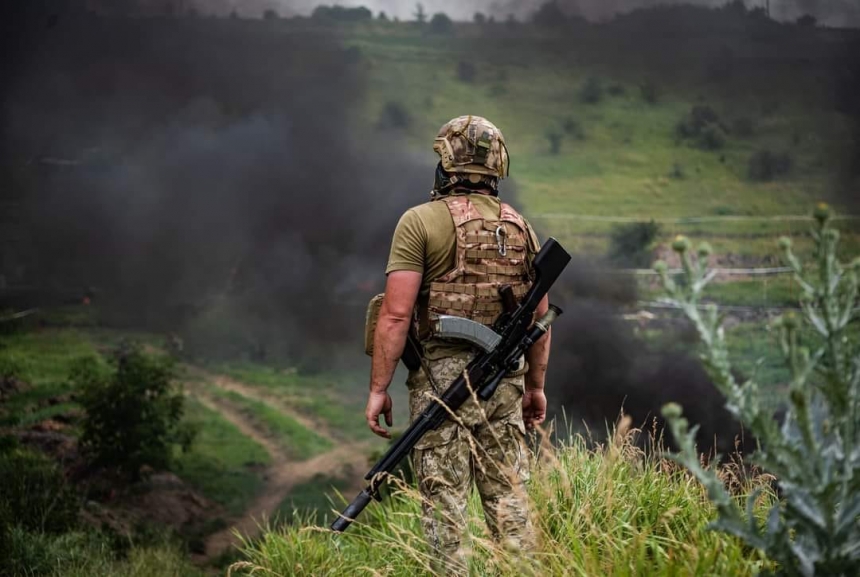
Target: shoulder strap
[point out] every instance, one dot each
(461, 208)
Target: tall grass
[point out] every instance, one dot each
(610, 510)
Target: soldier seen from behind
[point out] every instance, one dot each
(451, 256)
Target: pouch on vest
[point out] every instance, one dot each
(412, 353)
(371, 319)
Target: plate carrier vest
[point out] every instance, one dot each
(490, 254)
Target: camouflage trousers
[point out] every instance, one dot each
(485, 446)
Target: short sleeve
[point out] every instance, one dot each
(408, 246)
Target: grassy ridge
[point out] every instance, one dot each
(598, 512)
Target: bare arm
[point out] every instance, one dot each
(534, 400)
(401, 291)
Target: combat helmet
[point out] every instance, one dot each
(472, 154)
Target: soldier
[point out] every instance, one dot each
(450, 256)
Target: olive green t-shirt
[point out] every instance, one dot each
(425, 242)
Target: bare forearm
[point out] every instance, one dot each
(538, 355)
(388, 344)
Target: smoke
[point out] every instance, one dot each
(199, 177)
(830, 12)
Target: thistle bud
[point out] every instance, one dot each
(822, 212)
(705, 250)
(785, 243)
(672, 411)
(661, 267)
(790, 321)
(831, 235)
(681, 244)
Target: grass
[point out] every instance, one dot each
(86, 554)
(312, 502)
(222, 463)
(336, 399)
(295, 438)
(605, 511)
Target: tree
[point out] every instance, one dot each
(270, 14)
(479, 18)
(549, 15)
(807, 20)
(420, 14)
(383, 17)
(441, 24)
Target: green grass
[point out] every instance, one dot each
(312, 502)
(298, 441)
(45, 356)
(597, 512)
(337, 400)
(88, 554)
(223, 464)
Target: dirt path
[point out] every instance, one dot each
(283, 474)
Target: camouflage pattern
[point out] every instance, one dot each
(486, 445)
(472, 145)
(490, 254)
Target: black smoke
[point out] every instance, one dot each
(204, 177)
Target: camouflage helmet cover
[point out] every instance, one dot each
(472, 145)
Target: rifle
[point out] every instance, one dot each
(503, 346)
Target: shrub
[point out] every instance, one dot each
(35, 494)
(808, 21)
(631, 244)
(703, 126)
(554, 138)
(616, 90)
(466, 71)
(441, 24)
(677, 172)
(649, 92)
(573, 128)
(132, 413)
(713, 137)
(766, 165)
(339, 13)
(591, 91)
(394, 116)
(814, 454)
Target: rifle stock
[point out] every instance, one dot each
(484, 373)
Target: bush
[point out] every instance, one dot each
(677, 172)
(554, 138)
(713, 137)
(441, 24)
(814, 454)
(466, 71)
(35, 495)
(339, 13)
(808, 21)
(703, 126)
(591, 91)
(631, 244)
(133, 413)
(394, 116)
(616, 90)
(649, 92)
(766, 165)
(573, 128)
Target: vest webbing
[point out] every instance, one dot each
(489, 255)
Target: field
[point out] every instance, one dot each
(592, 116)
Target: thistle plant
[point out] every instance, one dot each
(814, 453)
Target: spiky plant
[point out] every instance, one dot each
(814, 454)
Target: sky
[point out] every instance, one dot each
(831, 12)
